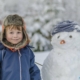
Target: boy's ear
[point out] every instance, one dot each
(2, 28)
(24, 27)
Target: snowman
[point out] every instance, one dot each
(63, 62)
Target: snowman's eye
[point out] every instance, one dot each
(70, 36)
(58, 37)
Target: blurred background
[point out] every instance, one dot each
(40, 16)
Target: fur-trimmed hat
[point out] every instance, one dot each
(14, 20)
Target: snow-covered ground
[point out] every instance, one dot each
(40, 57)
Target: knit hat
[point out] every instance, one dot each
(65, 26)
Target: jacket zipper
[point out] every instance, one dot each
(20, 64)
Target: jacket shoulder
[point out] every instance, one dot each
(1, 46)
(30, 49)
(30, 46)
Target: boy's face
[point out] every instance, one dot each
(14, 36)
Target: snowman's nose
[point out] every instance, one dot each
(62, 42)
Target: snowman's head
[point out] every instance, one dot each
(66, 35)
(66, 40)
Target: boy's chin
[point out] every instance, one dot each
(14, 43)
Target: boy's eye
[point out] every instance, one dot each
(58, 37)
(18, 32)
(70, 36)
(11, 32)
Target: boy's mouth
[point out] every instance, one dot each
(15, 39)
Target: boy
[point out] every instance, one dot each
(15, 54)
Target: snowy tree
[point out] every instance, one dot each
(71, 10)
(41, 23)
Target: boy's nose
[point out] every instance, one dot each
(15, 35)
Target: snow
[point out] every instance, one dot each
(40, 57)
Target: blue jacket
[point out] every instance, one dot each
(18, 65)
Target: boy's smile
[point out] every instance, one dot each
(14, 36)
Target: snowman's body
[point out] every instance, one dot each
(63, 62)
